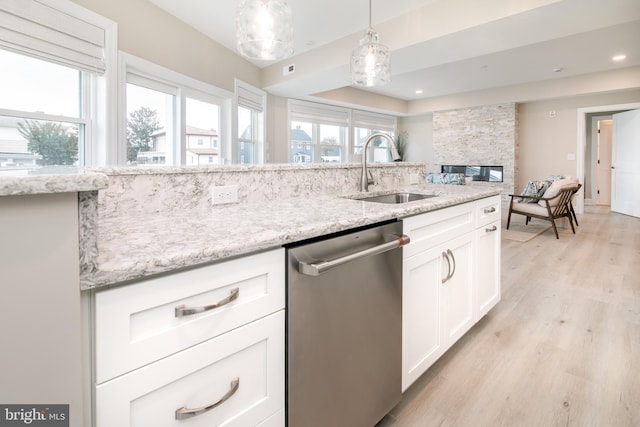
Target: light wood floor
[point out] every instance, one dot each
(562, 348)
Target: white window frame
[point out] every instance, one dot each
(184, 87)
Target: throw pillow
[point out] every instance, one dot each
(446, 178)
(534, 189)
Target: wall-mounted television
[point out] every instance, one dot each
(477, 173)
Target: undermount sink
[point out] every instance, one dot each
(394, 198)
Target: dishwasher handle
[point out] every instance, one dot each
(319, 267)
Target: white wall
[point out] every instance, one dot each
(548, 144)
(148, 32)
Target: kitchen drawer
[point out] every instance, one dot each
(137, 324)
(488, 210)
(432, 228)
(201, 375)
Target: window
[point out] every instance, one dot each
(367, 123)
(320, 133)
(317, 133)
(150, 112)
(43, 122)
(53, 55)
(250, 102)
(203, 124)
(171, 118)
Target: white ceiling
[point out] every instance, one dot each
(531, 44)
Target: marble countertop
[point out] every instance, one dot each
(50, 180)
(137, 246)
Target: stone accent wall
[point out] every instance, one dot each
(486, 135)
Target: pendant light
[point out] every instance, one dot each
(264, 29)
(370, 61)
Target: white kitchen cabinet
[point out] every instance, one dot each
(242, 370)
(437, 300)
(450, 271)
(488, 234)
(183, 339)
(488, 268)
(138, 324)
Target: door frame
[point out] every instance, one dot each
(581, 144)
(603, 170)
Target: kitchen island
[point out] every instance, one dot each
(131, 229)
(149, 240)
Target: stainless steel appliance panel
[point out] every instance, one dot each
(344, 330)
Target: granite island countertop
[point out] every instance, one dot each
(138, 246)
(50, 180)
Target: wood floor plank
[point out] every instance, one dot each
(562, 348)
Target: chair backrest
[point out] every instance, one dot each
(563, 198)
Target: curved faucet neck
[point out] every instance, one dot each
(364, 178)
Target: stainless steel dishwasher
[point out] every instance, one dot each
(344, 327)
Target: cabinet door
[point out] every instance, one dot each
(238, 376)
(488, 268)
(436, 304)
(488, 210)
(422, 276)
(457, 291)
(138, 323)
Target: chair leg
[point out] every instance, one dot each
(555, 230)
(509, 216)
(571, 222)
(526, 222)
(573, 213)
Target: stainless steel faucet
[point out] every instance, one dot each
(364, 179)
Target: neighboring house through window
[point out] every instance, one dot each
(202, 146)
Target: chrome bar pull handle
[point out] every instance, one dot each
(445, 255)
(183, 310)
(317, 268)
(492, 209)
(490, 229)
(453, 260)
(185, 413)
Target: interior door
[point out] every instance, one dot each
(625, 163)
(603, 166)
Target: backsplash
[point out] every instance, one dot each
(154, 189)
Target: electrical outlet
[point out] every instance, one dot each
(223, 194)
(414, 179)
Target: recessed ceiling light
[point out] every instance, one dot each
(619, 57)
(558, 70)
(419, 92)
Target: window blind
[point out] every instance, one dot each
(249, 97)
(369, 120)
(34, 28)
(318, 113)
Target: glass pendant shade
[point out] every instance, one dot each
(370, 62)
(264, 29)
